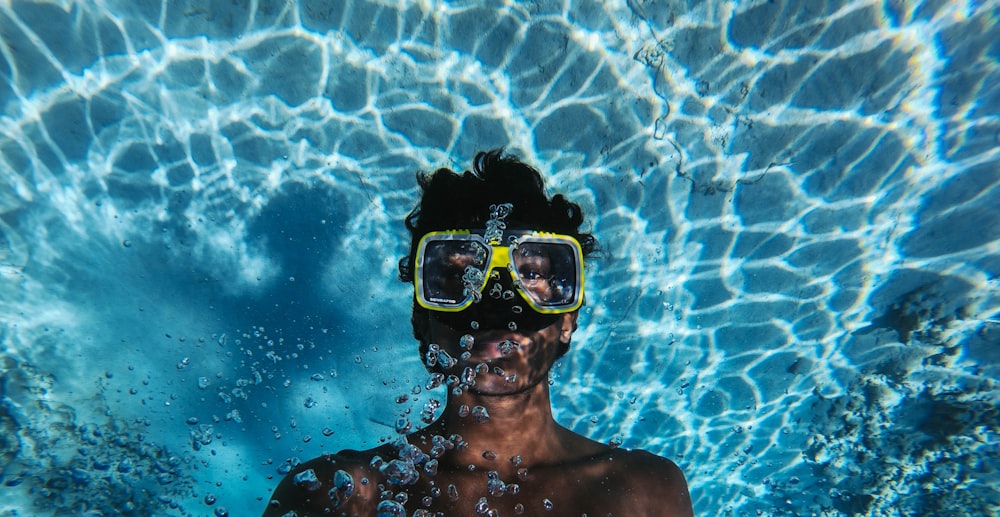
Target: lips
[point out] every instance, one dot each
(487, 344)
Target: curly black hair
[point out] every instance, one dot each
(456, 201)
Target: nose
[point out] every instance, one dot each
(499, 308)
(499, 285)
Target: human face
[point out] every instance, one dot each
(501, 361)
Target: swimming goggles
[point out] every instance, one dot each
(454, 267)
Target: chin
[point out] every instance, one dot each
(498, 387)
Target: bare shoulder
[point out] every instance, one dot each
(334, 484)
(639, 464)
(657, 485)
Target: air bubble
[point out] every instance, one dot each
(495, 485)
(343, 488)
(468, 376)
(472, 282)
(390, 509)
(399, 472)
(447, 361)
(307, 480)
(506, 347)
(427, 413)
(431, 357)
(412, 454)
(435, 380)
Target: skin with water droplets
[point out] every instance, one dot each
(550, 471)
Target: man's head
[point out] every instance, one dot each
(500, 190)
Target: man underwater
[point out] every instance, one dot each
(497, 270)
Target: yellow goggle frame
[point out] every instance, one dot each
(453, 269)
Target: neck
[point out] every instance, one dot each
(519, 424)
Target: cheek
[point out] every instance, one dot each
(546, 344)
(447, 338)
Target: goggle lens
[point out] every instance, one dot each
(547, 272)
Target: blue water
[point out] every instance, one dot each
(201, 211)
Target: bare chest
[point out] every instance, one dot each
(555, 493)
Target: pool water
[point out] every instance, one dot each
(201, 212)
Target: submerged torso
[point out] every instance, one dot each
(610, 482)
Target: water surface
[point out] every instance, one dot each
(200, 217)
